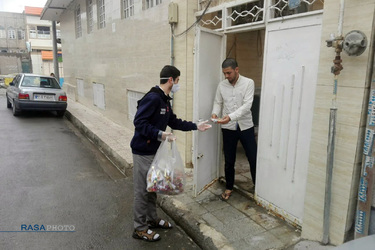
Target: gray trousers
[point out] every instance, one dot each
(144, 202)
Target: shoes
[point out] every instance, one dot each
(146, 235)
(225, 196)
(160, 224)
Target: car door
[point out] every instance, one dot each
(11, 92)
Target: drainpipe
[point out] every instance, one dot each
(336, 69)
(172, 44)
(55, 56)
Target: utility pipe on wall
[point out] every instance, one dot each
(55, 55)
(336, 69)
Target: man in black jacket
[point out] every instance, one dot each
(153, 115)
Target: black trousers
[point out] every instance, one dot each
(230, 140)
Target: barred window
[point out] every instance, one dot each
(101, 13)
(152, 3)
(90, 16)
(78, 22)
(21, 34)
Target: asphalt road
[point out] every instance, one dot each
(53, 177)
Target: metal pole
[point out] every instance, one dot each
(329, 170)
(55, 56)
(332, 128)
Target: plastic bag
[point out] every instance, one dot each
(166, 174)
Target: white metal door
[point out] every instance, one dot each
(287, 101)
(209, 53)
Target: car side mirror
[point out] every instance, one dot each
(11, 84)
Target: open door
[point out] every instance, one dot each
(209, 54)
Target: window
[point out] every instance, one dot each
(3, 33)
(101, 13)
(90, 16)
(58, 34)
(32, 33)
(43, 32)
(40, 82)
(21, 34)
(11, 33)
(152, 3)
(78, 22)
(128, 8)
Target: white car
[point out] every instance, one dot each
(35, 92)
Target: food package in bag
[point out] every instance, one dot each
(166, 174)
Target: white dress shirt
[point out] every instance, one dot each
(235, 101)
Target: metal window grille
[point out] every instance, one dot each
(21, 35)
(152, 3)
(101, 13)
(78, 22)
(252, 12)
(90, 16)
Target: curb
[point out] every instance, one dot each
(186, 221)
(124, 167)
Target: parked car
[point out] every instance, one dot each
(35, 92)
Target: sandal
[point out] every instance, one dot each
(146, 235)
(160, 224)
(225, 196)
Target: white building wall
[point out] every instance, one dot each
(126, 55)
(351, 117)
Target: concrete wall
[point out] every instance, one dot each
(128, 54)
(10, 63)
(15, 21)
(351, 117)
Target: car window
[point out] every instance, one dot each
(40, 82)
(16, 80)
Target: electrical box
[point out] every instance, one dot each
(173, 13)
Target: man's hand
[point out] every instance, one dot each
(224, 120)
(168, 136)
(203, 126)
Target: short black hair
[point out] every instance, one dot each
(229, 62)
(168, 71)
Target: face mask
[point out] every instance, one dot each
(175, 88)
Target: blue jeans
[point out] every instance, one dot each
(230, 140)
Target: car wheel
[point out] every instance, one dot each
(9, 105)
(16, 111)
(60, 113)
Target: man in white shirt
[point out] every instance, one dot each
(233, 101)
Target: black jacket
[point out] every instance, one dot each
(154, 114)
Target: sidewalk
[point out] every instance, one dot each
(213, 224)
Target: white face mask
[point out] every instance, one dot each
(175, 87)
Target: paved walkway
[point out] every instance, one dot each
(213, 224)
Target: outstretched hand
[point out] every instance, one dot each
(203, 126)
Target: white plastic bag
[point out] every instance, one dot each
(166, 174)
